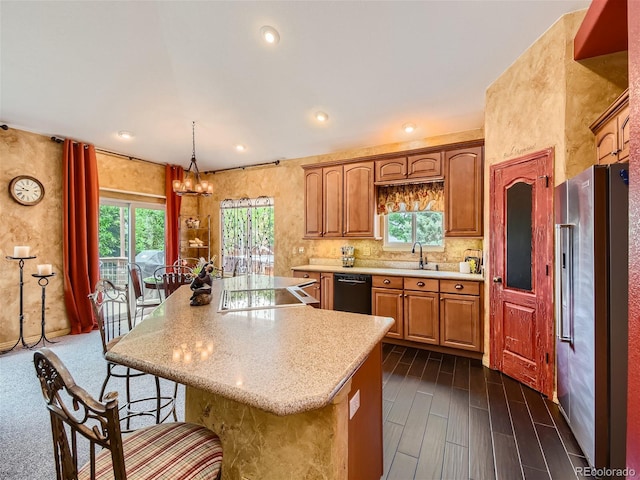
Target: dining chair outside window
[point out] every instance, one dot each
(111, 307)
(142, 298)
(176, 451)
(171, 277)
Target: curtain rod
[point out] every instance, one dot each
(108, 152)
(275, 163)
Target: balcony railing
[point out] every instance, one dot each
(115, 270)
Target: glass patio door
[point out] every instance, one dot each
(130, 232)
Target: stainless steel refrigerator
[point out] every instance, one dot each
(592, 227)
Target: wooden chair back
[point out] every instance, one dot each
(171, 277)
(112, 310)
(72, 407)
(135, 273)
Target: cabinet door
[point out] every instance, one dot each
(460, 322)
(421, 317)
(358, 200)
(387, 302)
(315, 288)
(623, 134)
(463, 192)
(391, 169)
(607, 143)
(427, 165)
(332, 201)
(313, 203)
(326, 287)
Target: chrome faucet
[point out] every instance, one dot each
(413, 250)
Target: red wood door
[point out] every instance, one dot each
(521, 266)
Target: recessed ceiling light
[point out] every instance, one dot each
(125, 135)
(408, 127)
(270, 35)
(240, 147)
(322, 117)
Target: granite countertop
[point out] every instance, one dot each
(283, 360)
(397, 272)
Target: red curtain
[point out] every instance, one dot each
(171, 238)
(81, 203)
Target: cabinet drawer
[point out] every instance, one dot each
(421, 284)
(381, 281)
(460, 286)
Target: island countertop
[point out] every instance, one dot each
(284, 360)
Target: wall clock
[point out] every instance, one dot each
(26, 190)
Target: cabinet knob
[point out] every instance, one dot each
(400, 295)
(420, 284)
(306, 275)
(459, 286)
(386, 281)
(497, 279)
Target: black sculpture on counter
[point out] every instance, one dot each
(201, 286)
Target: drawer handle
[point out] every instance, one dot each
(306, 275)
(459, 286)
(420, 284)
(386, 281)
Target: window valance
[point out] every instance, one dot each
(411, 198)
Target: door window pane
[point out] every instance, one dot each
(113, 242)
(519, 236)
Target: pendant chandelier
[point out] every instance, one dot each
(191, 184)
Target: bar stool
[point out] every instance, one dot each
(142, 300)
(176, 451)
(112, 310)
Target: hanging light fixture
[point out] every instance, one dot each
(191, 184)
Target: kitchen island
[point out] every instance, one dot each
(273, 383)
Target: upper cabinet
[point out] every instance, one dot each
(611, 130)
(427, 166)
(463, 192)
(339, 201)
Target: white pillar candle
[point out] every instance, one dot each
(44, 269)
(21, 251)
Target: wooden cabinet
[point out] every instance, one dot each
(611, 132)
(447, 313)
(463, 192)
(194, 238)
(460, 309)
(339, 201)
(387, 300)
(315, 289)
(326, 291)
(321, 290)
(426, 166)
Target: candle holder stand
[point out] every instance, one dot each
(43, 281)
(21, 317)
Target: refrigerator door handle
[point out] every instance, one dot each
(564, 282)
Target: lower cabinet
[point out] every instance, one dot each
(315, 289)
(321, 290)
(460, 315)
(326, 291)
(428, 311)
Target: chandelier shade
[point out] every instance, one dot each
(191, 184)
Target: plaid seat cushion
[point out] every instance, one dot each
(171, 451)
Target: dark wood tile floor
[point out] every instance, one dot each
(448, 417)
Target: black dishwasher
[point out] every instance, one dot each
(352, 293)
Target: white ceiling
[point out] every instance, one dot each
(87, 70)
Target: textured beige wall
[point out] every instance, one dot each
(39, 226)
(546, 99)
(128, 175)
(285, 183)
